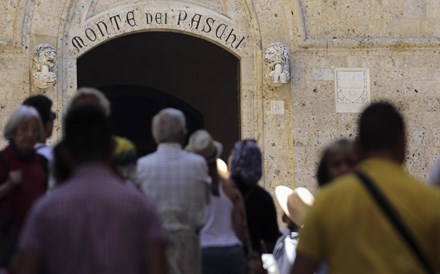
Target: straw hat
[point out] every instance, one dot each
(294, 202)
(222, 168)
(201, 142)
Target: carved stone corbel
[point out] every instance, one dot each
(43, 65)
(276, 57)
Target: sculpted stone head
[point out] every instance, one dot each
(43, 64)
(276, 57)
(45, 54)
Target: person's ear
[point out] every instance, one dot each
(67, 158)
(358, 151)
(48, 127)
(183, 133)
(284, 218)
(401, 148)
(111, 151)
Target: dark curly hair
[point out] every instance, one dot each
(322, 173)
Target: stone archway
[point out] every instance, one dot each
(57, 22)
(84, 32)
(231, 24)
(165, 69)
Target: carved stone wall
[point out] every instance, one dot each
(394, 41)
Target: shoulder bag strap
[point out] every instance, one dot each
(397, 223)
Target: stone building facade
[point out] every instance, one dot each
(305, 68)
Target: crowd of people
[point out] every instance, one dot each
(89, 204)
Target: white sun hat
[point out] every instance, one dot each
(201, 142)
(294, 202)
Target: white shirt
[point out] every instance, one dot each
(285, 251)
(47, 152)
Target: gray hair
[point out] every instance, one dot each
(19, 116)
(103, 102)
(167, 125)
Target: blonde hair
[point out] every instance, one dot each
(103, 102)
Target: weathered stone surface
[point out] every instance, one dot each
(8, 13)
(395, 40)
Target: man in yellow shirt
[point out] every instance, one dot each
(347, 230)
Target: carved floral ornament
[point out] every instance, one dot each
(43, 64)
(276, 58)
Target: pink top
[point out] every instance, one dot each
(93, 223)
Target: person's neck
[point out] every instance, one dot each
(24, 155)
(171, 144)
(386, 155)
(240, 185)
(292, 227)
(77, 164)
(46, 135)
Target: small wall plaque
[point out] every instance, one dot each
(276, 107)
(352, 89)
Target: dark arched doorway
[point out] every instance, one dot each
(145, 72)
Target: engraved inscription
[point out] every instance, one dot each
(135, 19)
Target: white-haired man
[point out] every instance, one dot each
(178, 182)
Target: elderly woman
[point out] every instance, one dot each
(23, 174)
(337, 159)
